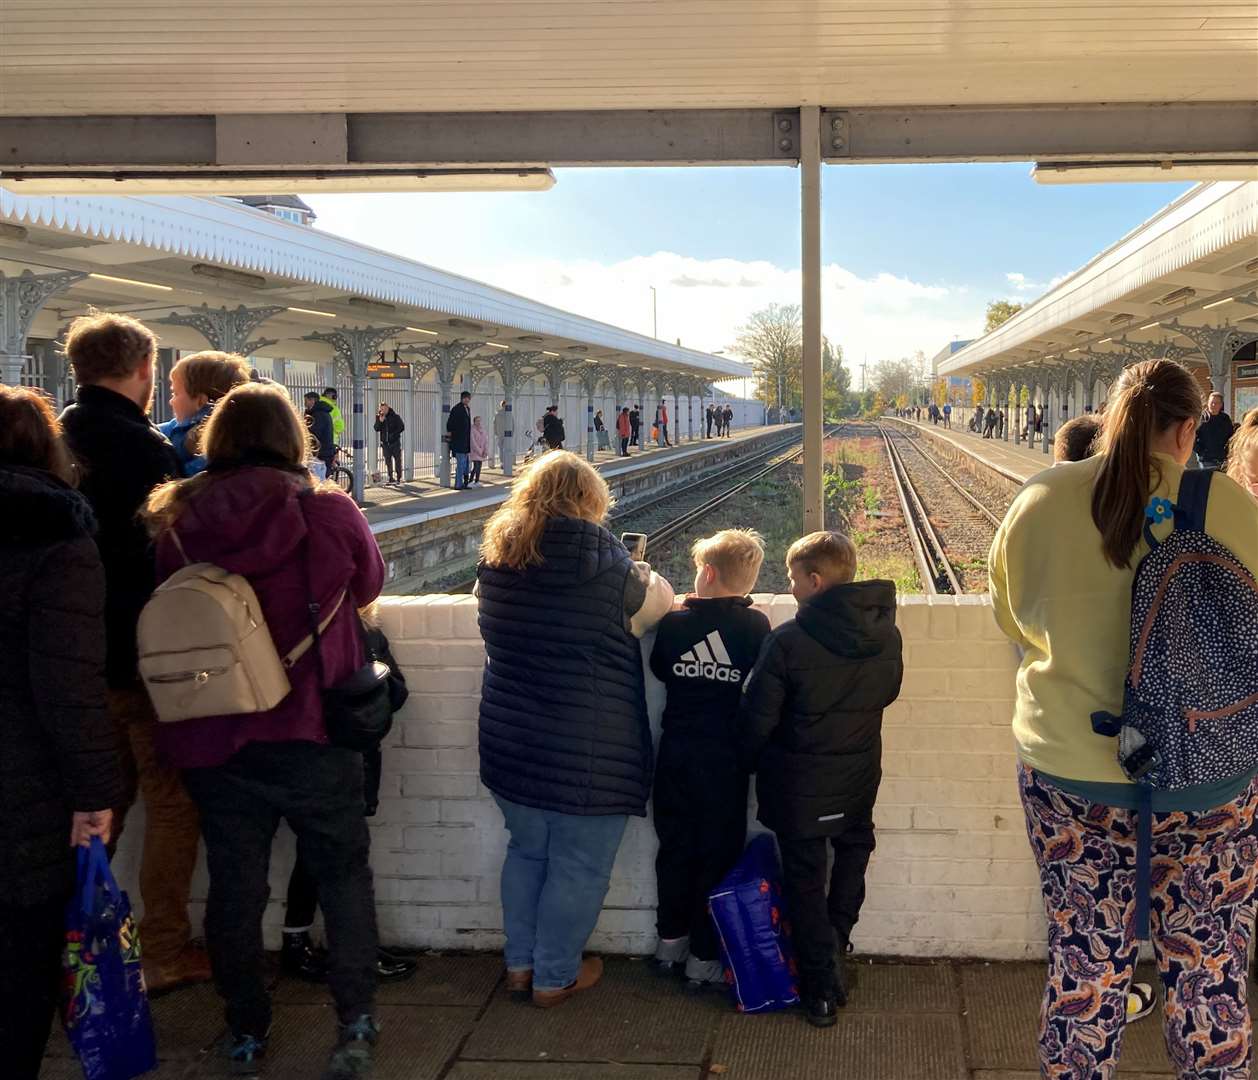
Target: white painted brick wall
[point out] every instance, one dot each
(952, 876)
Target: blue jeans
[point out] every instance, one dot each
(554, 881)
(460, 470)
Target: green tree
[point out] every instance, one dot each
(771, 339)
(999, 311)
(836, 380)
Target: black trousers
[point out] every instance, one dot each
(700, 809)
(318, 790)
(30, 983)
(474, 478)
(624, 446)
(821, 921)
(393, 459)
(635, 437)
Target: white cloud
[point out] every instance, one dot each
(705, 301)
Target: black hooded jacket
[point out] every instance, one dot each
(319, 420)
(810, 722)
(60, 747)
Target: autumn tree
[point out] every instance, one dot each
(772, 340)
(999, 311)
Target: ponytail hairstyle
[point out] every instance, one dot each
(558, 484)
(1149, 399)
(1242, 452)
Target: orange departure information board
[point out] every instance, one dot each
(388, 371)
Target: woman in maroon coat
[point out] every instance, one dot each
(255, 511)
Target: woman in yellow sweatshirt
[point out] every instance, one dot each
(1061, 572)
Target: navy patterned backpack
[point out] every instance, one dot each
(1190, 703)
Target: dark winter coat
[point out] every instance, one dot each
(703, 654)
(249, 522)
(60, 747)
(390, 429)
(810, 724)
(1212, 438)
(552, 431)
(122, 457)
(459, 429)
(319, 421)
(563, 720)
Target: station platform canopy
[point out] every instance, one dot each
(1184, 284)
(153, 255)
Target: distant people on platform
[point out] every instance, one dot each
(567, 760)
(989, 423)
(624, 431)
(1076, 439)
(1064, 597)
(197, 381)
(810, 727)
(709, 416)
(319, 423)
(59, 777)
(389, 426)
(1213, 434)
(661, 425)
(338, 421)
(703, 653)
(306, 549)
(600, 431)
(502, 425)
(947, 415)
(727, 421)
(480, 451)
(1242, 453)
(552, 428)
(122, 457)
(934, 413)
(459, 438)
(635, 425)
(976, 421)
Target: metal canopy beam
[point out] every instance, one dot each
(148, 145)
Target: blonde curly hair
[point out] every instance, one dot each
(1242, 453)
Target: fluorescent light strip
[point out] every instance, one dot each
(421, 330)
(1218, 303)
(131, 281)
(546, 353)
(1151, 326)
(1075, 349)
(308, 311)
(1105, 341)
(495, 345)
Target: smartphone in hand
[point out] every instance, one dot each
(636, 545)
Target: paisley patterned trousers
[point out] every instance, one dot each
(1205, 868)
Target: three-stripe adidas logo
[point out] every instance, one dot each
(709, 659)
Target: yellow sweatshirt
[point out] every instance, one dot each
(1069, 610)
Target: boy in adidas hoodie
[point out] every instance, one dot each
(703, 652)
(810, 727)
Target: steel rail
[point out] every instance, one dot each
(970, 498)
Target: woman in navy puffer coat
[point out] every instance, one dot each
(564, 741)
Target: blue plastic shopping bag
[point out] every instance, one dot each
(747, 909)
(105, 1007)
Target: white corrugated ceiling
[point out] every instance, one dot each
(221, 56)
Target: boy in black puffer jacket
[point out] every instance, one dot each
(810, 726)
(703, 653)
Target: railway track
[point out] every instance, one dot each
(768, 460)
(967, 523)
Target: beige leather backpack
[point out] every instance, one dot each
(205, 649)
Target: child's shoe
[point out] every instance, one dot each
(1140, 1001)
(352, 1058)
(703, 974)
(821, 1012)
(671, 955)
(245, 1054)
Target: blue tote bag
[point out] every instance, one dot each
(747, 909)
(105, 1007)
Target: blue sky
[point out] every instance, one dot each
(912, 253)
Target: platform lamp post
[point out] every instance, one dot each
(21, 299)
(354, 347)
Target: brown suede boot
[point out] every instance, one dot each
(589, 974)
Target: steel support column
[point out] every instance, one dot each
(443, 361)
(21, 298)
(226, 330)
(810, 264)
(1218, 345)
(512, 368)
(354, 348)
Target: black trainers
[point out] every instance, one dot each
(352, 1058)
(300, 959)
(245, 1055)
(821, 1012)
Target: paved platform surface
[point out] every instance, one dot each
(385, 504)
(1019, 460)
(453, 1021)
